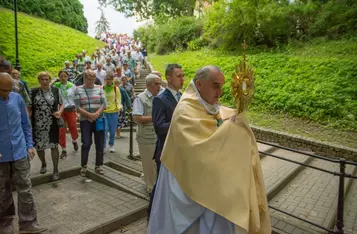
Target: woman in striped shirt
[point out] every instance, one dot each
(90, 101)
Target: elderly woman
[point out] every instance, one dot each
(90, 101)
(47, 108)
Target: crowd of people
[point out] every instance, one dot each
(200, 160)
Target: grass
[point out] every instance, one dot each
(306, 89)
(43, 45)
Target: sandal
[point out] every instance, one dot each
(83, 172)
(63, 154)
(99, 170)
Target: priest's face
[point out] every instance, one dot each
(211, 89)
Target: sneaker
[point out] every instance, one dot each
(111, 149)
(75, 146)
(43, 170)
(83, 172)
(33, 229)
(55, 176)
(63, 154)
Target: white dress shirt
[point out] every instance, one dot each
(174, 93)
(101, 75)
(138, 106)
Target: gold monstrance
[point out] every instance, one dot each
(243, 83)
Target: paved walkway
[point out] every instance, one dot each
(137, 227)
(73, 205)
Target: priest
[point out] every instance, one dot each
(210, 180)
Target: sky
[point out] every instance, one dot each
(118, 22)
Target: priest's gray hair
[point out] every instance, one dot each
(204, 73)
(150, 78)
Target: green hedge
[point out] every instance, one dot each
(315, 82)
(43, 45)
(67, 12)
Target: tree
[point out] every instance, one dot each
(159, 10)
(102, 25)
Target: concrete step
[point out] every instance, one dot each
(278, 173)
(311, 195)
(350, 211)
(125, 182)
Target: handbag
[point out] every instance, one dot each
(59, 121)
(100, 122)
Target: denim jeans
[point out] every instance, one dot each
(111, 124)
(87, 129)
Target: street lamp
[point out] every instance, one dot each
(17, 63)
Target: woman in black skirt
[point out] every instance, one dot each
(47, 108)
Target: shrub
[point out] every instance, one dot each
(197, 44)
(173, 35)
(271, 23)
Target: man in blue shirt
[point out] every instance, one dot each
(15, 146)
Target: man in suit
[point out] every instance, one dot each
(162, 110)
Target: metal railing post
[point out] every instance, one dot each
(341, 196)
(131, 156)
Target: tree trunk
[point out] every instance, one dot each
(191, 7)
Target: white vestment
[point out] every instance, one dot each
(175, 213)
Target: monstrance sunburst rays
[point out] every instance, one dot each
(243, 83)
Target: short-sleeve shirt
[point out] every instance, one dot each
(92, 102)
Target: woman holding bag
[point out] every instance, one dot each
(46, 120)
(90, 102)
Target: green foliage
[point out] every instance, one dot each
(197, 44)
(67, 12)
(43, 45)
(171, 36)
(271, 23)
(315, 82)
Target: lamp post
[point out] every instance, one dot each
(17, 63)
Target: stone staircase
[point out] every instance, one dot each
(140, 81)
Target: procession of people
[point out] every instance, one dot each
(200, 159)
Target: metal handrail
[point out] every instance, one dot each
(341, 188)
(313, 167)
(304, 220)
(300, 152)
(305, 153)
